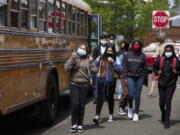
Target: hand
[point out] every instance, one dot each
(90, 59)
(74, 55)
(174, 71)
(159, 72)
(110, 59)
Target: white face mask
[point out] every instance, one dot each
(111, 41)
(168, 54)
(103, 42)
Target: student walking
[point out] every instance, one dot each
(80, 67)
(106, 83)
(135, 71)
(124, 97)
(168, 69)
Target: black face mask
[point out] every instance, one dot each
(109, 54)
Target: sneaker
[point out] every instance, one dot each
(73, 129)
(96, 120)
(136, 117)
(130, 113)
(110, 118)
(80, 129)
(121, 111)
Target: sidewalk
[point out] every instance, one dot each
(149, 123)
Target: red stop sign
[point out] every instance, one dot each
(160, 19)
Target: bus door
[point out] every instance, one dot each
(95, 30)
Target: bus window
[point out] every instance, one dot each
(73, 20)
(24, 13)
(51, 16)
(68, 19)
(42, 15)
(96, 30)
(14, 13)
(33, 14)
(3, 13)
(63, 16)
(58, 16)
(78, 22)
(82, 23)
(86, 24)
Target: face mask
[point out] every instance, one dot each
(81, 52)
(168, 54)
(103, 42)
(109, 54)
(111, 41)
(136, 47)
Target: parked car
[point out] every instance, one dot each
(151, 56)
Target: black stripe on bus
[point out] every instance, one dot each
(33, 50)
(20, 66)
(41, 35)
(23, 104)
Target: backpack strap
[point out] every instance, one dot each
(174, 62)
(161, 62)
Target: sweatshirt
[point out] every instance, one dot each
(80, 70)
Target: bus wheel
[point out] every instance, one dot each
(51, 103)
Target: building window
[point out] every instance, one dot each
(51, 16)
(42, 15)
(3, 12)
(14, 13)
(24, 13)
(33, 14)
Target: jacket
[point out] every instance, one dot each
(167, 77)
(80, 70)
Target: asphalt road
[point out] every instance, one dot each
(149, 123)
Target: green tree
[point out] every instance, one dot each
(131, 18)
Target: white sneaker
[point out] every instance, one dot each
(135, 117)
(130, 113)
(73, 129)
(121, 111)
(110, 118)
(80, 129)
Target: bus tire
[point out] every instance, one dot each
(51, 102)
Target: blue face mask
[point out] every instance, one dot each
(168, 54)
(81, 52)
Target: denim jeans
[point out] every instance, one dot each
(134, 91)
(119, 87)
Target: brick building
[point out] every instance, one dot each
(173, 33)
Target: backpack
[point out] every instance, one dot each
(161, 65)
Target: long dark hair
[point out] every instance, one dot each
(173, 51)
(113, 50)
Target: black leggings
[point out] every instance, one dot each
(165, 97)
(78, 98)
(105, 92)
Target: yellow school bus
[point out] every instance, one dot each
(36, 38)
